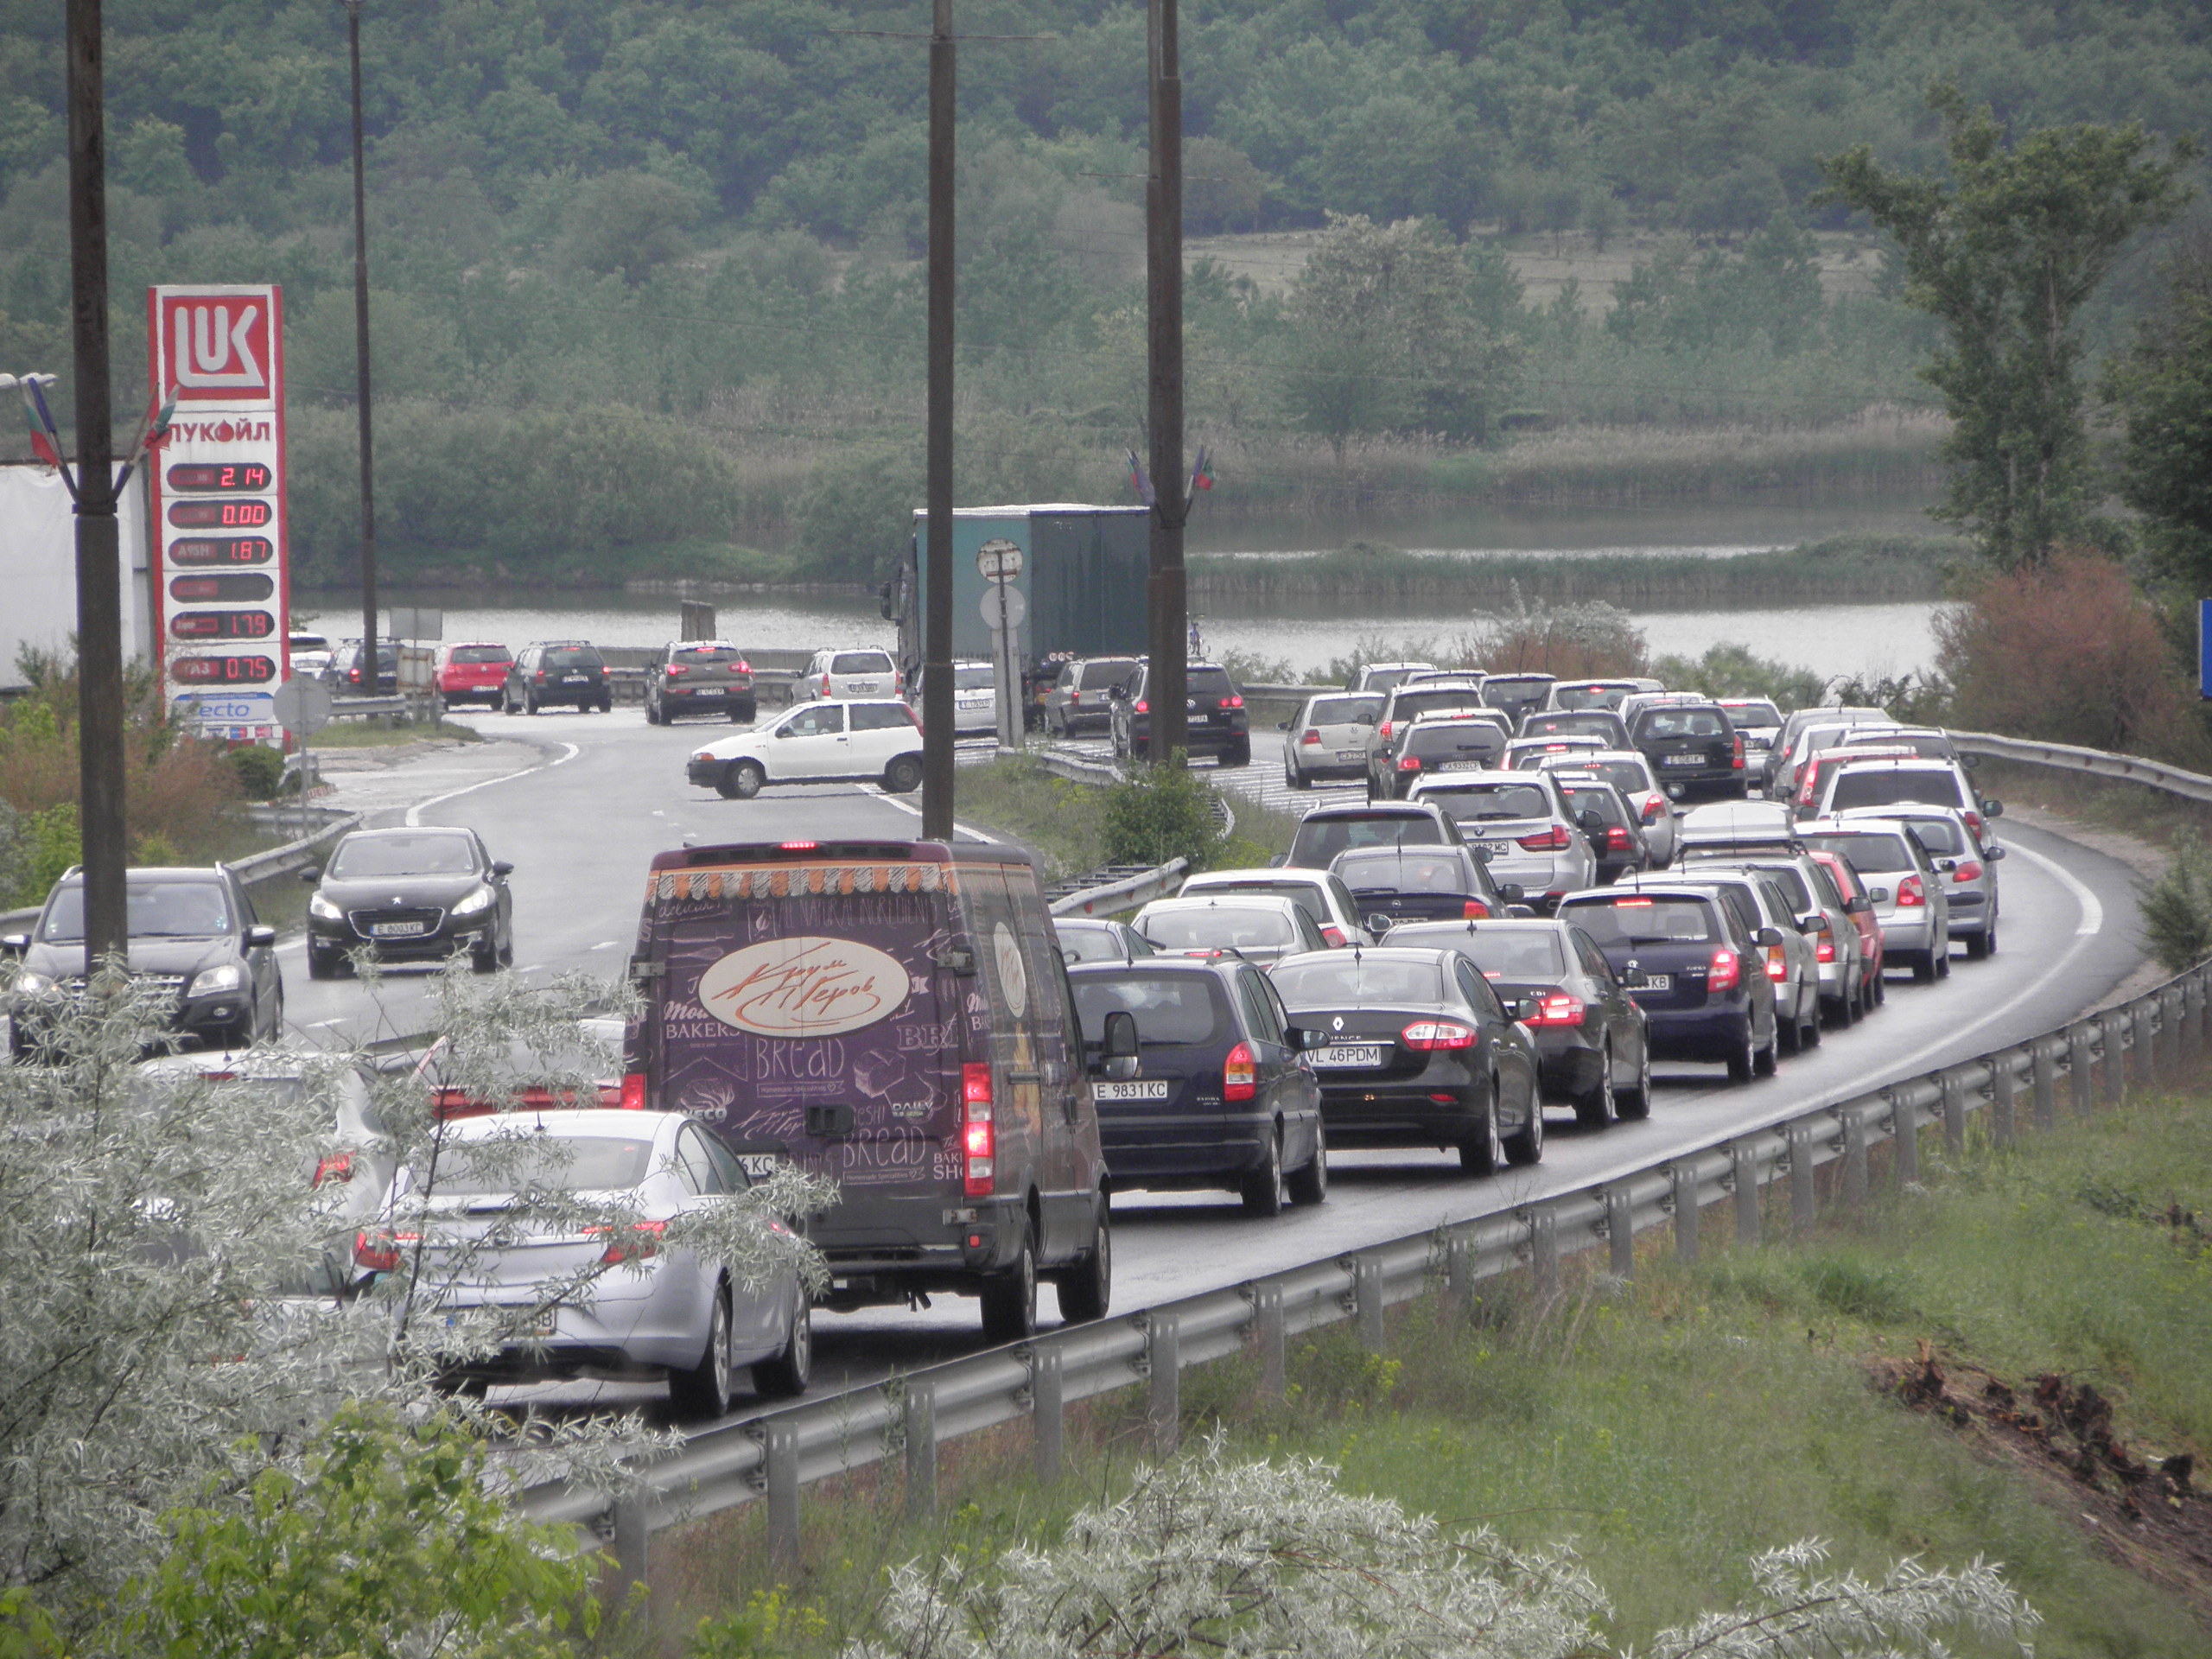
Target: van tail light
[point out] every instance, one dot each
(1616, 839)
(633, 1098)
(1727, 968)
(1143, 707)
(1409, 763)
(1911, 893)
(1824, 950)
(1557, 839)
(1240, 1074)
(1332, 937)
(1475, 910)
(1312, 736)
(1232, 701)
(1557, 1008)
(1969, 871)
(978, 1134)
(1739, 761)
(1429, 1036)
(380, 1252)
(1777, 964)
(1974, 823)
(635, 1242)
(333, 1166)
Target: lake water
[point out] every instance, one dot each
(1830, 639)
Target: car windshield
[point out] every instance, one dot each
(1869, 855)
(1167, 1008)
(1237, 927)
(1393, 871)
(976, 678)
(1941, 837)
(573, 657)
(480, 654)
(367, 857)
(520, 1162)
(152, 910)
(1344, 711)
(1319, 841)
(1515, 954)
(1660, 724)
(1879, 786)
(689, 654)
(1753, 714)
(1089, 944)
(1641, 921)
(859, 661)
(1346, 979)
(1492, 803)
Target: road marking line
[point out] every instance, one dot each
(606, 945)
(2093, 910)
(415, 812)
(916, 811)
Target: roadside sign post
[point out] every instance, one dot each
(302, 708)
(1005, 609)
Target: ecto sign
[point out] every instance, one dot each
(220, 353)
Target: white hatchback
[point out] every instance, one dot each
(873, 741)
(850, 674)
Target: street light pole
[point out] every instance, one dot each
(937, 617)
(99, 582)
(1168, 682)
(368, 659)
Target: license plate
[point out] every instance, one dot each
(1144, 1091)
(574, 679)
(1350, 757)
(1685, 760)
(1654, 982)
(1347, 1055)
(860, 685)
(398, 930)
(1461, 765)
(706, 690)
(760, 1165)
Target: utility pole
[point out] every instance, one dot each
(936, 597)
(99, 582)
(1167, 683)
(369, 678)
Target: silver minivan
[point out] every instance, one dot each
(1908, 892)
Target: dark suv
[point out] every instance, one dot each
(567, 673)
(194, 939)
(345, 671)
(1215, 720)
(699, 677)
(1691, 747)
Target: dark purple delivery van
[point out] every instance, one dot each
(895, 1016)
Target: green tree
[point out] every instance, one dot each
(2005, 252)
(2162, 387)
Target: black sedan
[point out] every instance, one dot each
(1413, 1049)
(1428, 884)
(409, 895)
(194, 942)
(1592, 1040)
(1220, 1097)
(1683, 955)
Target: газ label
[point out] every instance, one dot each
(804, 987)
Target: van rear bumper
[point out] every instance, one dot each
(945, 1244)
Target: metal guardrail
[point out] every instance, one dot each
(293, 855)
(1139, 886)
(2066, 757)
(366, 708)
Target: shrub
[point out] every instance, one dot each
(1161, 813)
(2177, 908)
(857, 514)
(51, 843)
(259, 769)
(1733, 670)
(1585, 641)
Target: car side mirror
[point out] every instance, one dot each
(1118, 1054)
(15, 944)
(1995, 853)
(1992, 809)
(1520, 912)
(1970, 761)
(1512, 891)
(1811, 924)
(260, 937)
(1593, 822)
(312, 874)
(1856, 906)
(1767, 936)
(1282, 725)
(1276, 862)
(1947, 865)
(1877, 895)
(500, 867)
(1676, 791)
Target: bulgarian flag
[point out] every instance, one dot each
(1139, 482)
(1202, 471)
(42, 443)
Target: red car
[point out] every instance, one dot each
(474, 672)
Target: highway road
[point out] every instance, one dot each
(608, 791)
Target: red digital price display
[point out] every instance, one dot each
(221, 515)
(223, 624)
(202, 588)
(223, 671)
(220, 475)
(230, 549)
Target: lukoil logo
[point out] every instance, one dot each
(218, 347)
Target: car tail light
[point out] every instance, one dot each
(1429, 1036)
(1911, 893)
(1332, 937)
(1232, 701)
(1312, 736)
(1974, 823)
(635, 1242)
(1777, 964)
(1739, 761)
(1654, 805)
(1824, 950)
(1383, 731)
(916, 718)
(1969, 871)
(1554, 840)
(1143, 707)
(1075, 699)
(675, 669)
(1475, 910)
(333, 1166)
(1240, 1073)
(743, 667)
(541, 676)
(380, 1252)
(1726, 970)
(1557, 1008)
(978, 1135)
(354, 675)
(1616, 839)
(633, 1091)
(898, 680)
(1408, 763)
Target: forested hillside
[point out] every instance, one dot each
(645, 273)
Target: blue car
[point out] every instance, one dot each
(1222, 1096)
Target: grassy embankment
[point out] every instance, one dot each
(1676, 1427)
(1063, 822)
(1847, 567)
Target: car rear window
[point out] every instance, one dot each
(1387, 680)
(1874, 855)
(1594, 797)
(1753, 714)
(1454, 737)
(859, 661)
(573, 657)
(1501, 688)
(1592, 696)
(1088, 945)
(1319, 841)
(977, 678)
(481, 654)
(1793, 887)
(1304, 894)
(1406, 704)
(1660, 724)
(565, 1163)
(1492, 803)
(1390, 870)
(1236, 927)
(1940, 836)
(1516, 955)
(1879, 786)
(1633, 920)
(1344, 711)
(1209, 682)
(882, 717)
(1594, 722)
(1626, 776)
(1169, 1008)
(1098, 675)
(1344, 980)
(706, 654)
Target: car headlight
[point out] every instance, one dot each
(322, 910)
(475, 904)
(210, 981)
(31, 984)
(704, 755)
